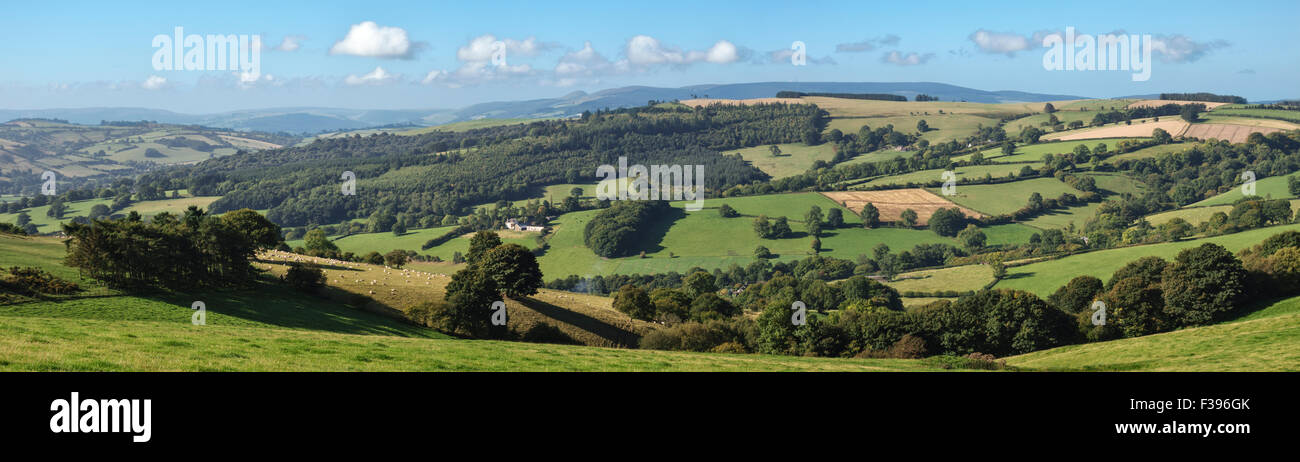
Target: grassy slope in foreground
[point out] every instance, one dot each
(1045, 277)
(1266, 340)
(39, 344)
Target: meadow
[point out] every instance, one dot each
(1267, 342)
(795, 158)
(1003, 198)
(1274, 187)
(1045, 277)
(705, 239)
(1034, 152)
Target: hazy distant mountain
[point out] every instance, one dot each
(315, 120)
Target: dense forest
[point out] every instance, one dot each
(443, 173)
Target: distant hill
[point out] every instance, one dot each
(312, 120)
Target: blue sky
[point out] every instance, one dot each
(408, 55)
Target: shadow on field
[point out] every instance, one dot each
(329, 310)
(652, 236)
(615, 336)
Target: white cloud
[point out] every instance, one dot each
(909, 59)
(783, 56)
(868, 44)
(1179, 48)
(154, 82)
(376, 77)
(289, 43)
(999, 42)
(644, 51)
(586, 61)
(481, 48)
(375, 41)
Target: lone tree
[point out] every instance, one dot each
(514, 269)
(395, 258)
(870, 216)
(775, 150)
(1190, 113)
(908, 218)
(1049, 108)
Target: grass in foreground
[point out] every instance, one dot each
(39, 344)
(1266, 344)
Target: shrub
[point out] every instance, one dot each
(305, 278)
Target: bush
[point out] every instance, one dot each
(305, 278)
(31, 281)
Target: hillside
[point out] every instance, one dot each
(1266, 340)
(29, 147)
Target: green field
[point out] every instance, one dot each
(1043, 278)
(998, 199)
(361, 244)
(795, 158)
(1267, 341)
(1150, 152)
(1061, 219)
(926, 176)
(943, 127)
(1274, 187)
(1035, 152)
(705, 239)
(1198, 215)
(1277, 114)
(41, 344)
(958, 278)
(47, 224)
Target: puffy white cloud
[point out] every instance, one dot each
(372, 40)
(1179, 48)
(482, 47)
(908, 59)
(644, 51)
(999, 42)
(154, 82)
(586, 61)
(376, 77)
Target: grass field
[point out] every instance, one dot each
(795, 158)
(39, 344)
(1198, 215)
(705, 239)
(925, 176)
(1140, 128)
(1035, 152)
(1278, 114)
(943, 127)
(1043, 278)
(47, 224)
(1274, 187)
(958, 278)
(1267, 341)
(1150, 152)
(998, 199)
(361, 244)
